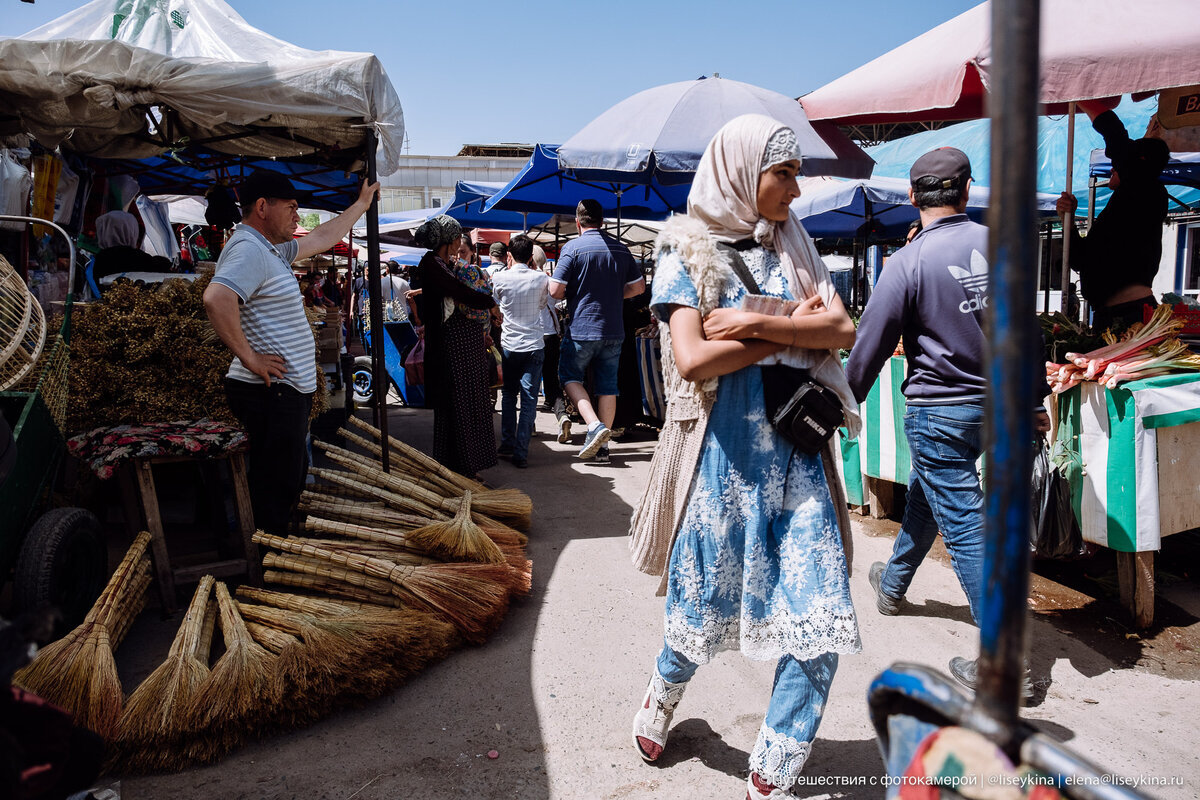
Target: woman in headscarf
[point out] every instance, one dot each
(118, 235)
(757, 562)
(456, 367)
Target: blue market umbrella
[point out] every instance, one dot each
(542, 187)
(658, 135)
(468, 207)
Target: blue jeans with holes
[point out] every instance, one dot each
(943, 494)
(522, 375)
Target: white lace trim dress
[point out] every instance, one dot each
(758, 564)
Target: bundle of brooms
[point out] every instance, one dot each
(77, 672)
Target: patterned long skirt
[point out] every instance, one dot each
(464, 438)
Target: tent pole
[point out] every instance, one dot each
(1011, 380)
(1068, 219)
(379, 374)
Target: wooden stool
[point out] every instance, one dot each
(140, 475)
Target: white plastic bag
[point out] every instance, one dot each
(15, 183)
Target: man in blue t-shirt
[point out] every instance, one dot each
(595, 274)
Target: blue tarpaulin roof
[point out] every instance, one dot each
(893, 159)
(467, 207)
(543, 188)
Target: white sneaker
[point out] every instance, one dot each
(653, 718)
(564, 429)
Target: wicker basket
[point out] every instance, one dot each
(22, 328)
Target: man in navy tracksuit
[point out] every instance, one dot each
(933, 293)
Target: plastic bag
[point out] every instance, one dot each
(414, 364)
(1054, 532)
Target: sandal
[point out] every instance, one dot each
(654, 717)
(758, 789)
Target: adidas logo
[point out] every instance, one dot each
(974, 280)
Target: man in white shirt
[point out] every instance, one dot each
(521, 294)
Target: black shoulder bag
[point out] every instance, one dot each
(801, 409)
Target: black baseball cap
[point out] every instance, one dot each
(264, 183)
(949, 166)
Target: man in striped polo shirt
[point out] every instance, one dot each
(256, 308)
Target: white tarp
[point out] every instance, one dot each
(91, 75)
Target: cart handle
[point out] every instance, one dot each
(70, 251)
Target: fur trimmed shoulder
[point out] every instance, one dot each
(707, 266)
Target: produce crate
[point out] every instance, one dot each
(1190, 316)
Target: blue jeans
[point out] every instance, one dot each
(943, 494)
(522, 373)
(794, 713)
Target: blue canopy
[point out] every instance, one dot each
(893, 159)
(541, 187)
(467, 206)
(1182, 170)
(197, 170)
(840, 209)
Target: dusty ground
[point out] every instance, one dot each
(555, 691)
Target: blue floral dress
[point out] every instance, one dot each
(758, 563)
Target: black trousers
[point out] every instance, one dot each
(550, 386)
(276, 421)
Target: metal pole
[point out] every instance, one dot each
(379, 374)
(1068, 219)
(1008, 426)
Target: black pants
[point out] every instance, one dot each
(550, 386)
(276, 421)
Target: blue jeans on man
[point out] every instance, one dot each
(944, 494)
(522, 375)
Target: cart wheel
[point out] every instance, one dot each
(363, 380)
(63, 563)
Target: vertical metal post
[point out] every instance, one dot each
(1008, 426)
(1068, 219)
(379, 374)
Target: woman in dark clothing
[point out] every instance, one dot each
(456, 368)
(118, 235)
(1118, 259)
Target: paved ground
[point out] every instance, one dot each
(555, 691)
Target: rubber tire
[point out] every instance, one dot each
(63, 563)
(362, 378)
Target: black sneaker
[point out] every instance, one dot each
(887, 606)
(966, 672)
(601, 456)
(520, 463)
(504, 451)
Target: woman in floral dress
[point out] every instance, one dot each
(757, 563)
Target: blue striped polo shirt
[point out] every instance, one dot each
(272, 307)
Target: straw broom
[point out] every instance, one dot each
(349, 546)
(460, 538)
(238, 692)
(296, 580)
(78, 673)
(400, 642)
(154, 712)
(408, 503)
(431, 480)
(330, 572)
(514, 555)
(511, 505)
(377, 515)
(472, 596)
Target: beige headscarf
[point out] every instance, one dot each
(724, 197)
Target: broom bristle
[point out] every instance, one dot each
(234, 700)
(154, 710)
(472, 596)
(460, 538)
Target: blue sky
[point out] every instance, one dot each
(536, 71)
